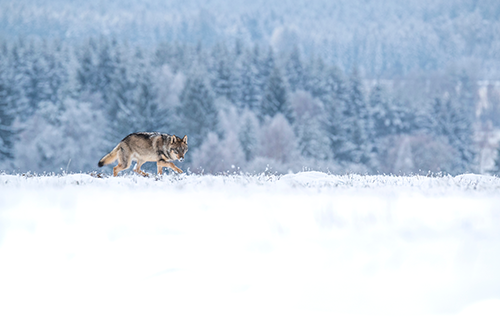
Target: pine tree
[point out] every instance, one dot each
(222, 74)
(312, 141)
(279, 141)
(437, 118)
(258, 64)
(358, 121)
(37, 87)
(58, 72)
(316, 84)
(275, 100)
(105, 69)
(196, 114)
(492, 112)
(227, 159)
(465, 122)
(86, 72)
(148, 116)
(203, 158)
(265, 68)
(249, 135)
(379, 107)
(180, 58)
(248, 85)
(461, 136)
(456, 125)
(309, 114)
(496, 167)
(120, 99)
(388, 118)
(347, 122)
(7, 132)
(162, 54)
(141, 113)
(335, 99)
(40, 148)
(295, 70)
(16, 69)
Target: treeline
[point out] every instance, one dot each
(385, 39)
(63, 106)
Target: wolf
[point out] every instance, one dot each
(147, 147)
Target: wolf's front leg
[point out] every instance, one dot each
(170, 165)
(138, 169)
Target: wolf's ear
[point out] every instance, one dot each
(185, 139)
(173, 138)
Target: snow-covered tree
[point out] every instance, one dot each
(147, 115)
(158, 88)
(496, 166)
(17, 79)
(64, 137)
(295, 70)
(217, 155)
(249, 135)
(388, 117)
(36, 88)
(491, 112)
(7, 132)
(121, 92)
(248, 85)
(265, 68)
(169, 86)
(456, 125)
(317, 77)
(58, 72)
(275, 99)
(278, 141)
(357, 123)
(86, 73)
(465, 121)
(105, 68)
(223, 80)
(313, 141)
(418, 153)
(196, 114)
(334, 101)
(207, 158)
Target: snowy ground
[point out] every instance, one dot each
(307, 252)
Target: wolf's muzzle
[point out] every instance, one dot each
(181, 159)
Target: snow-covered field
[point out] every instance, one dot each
(306, 252)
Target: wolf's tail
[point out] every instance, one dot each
(109, 158)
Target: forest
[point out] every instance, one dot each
(255, 90)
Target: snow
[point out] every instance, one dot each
(305, 252)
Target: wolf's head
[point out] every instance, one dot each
(178, 147)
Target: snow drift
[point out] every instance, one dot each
(300, 252)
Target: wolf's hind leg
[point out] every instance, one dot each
(117, 169)
(124, 162)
